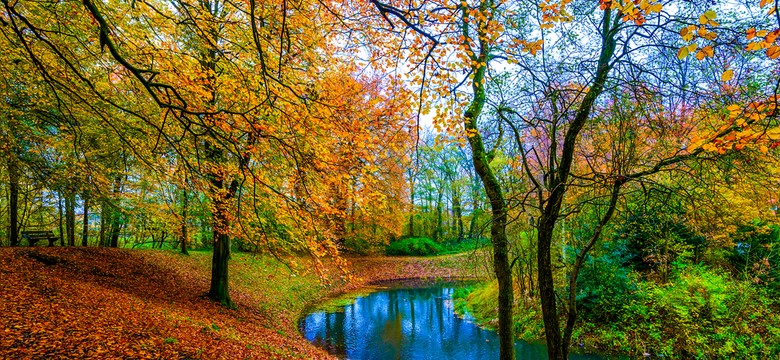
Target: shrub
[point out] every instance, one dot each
(603, 288)
(421, 246)
(755, 253)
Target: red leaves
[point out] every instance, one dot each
(104, 303)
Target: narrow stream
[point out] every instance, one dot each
(417, 323)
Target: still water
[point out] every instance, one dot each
(417, 323)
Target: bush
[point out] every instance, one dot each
(755, 253)
(655, 241)
(421, 246)
(603, 287)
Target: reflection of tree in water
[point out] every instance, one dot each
(392, 334)
(408, 323)
(334, 340)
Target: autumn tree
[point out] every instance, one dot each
(249, 98)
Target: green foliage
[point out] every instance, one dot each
(653, 241)
(603, 286)
(359, 245)
(414, 247)
(755, 253)
(702, 313)
(422, 246)
(338, 303)
(455, 247)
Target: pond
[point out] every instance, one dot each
(408, 323)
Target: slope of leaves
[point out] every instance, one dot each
(109, 303)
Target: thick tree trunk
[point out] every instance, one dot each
(70, 217)
(220, 198)
(85, 227)
(116, 227)
(13, 201)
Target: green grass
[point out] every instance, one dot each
(423, 246)
(338, 303)
(701, 313)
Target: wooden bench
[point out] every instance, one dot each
(35, 236)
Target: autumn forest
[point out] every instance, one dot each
(208, 179)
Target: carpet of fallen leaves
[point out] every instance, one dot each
(98, 303)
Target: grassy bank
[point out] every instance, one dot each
(112, 303)
(699, 314)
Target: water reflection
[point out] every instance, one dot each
(408, 324)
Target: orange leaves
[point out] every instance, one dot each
(554, 12)
(727, 75)
(764, 40)
(691, 33)
(636, 11)
(744, 128)
(531, 47)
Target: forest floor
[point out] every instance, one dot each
(79, 303)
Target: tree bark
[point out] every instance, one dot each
(13, 201)
(411, 213)
(457, 208)
(70, 217)
(184, 207)
(481, 161)
(59, 208)
(558, 346)
(220, 198)
(104, 221)
(115, 228)
(439, 227)
(85, 228)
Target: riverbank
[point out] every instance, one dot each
(103, 303)
(701, 313)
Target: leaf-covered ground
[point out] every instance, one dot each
(110, 303)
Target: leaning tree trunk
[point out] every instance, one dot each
(501, 265)
(557, 345)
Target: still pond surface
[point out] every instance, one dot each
(416, 323)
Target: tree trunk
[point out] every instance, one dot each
(439, 225)
(13, 201)
(85, 228)
(458, 210)
(70, 217)
(220, 198)
(501, 264)
(558, 346)
(411, 213)
(104, 221)
(184, 234)
(59, 208)
(116, 227)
